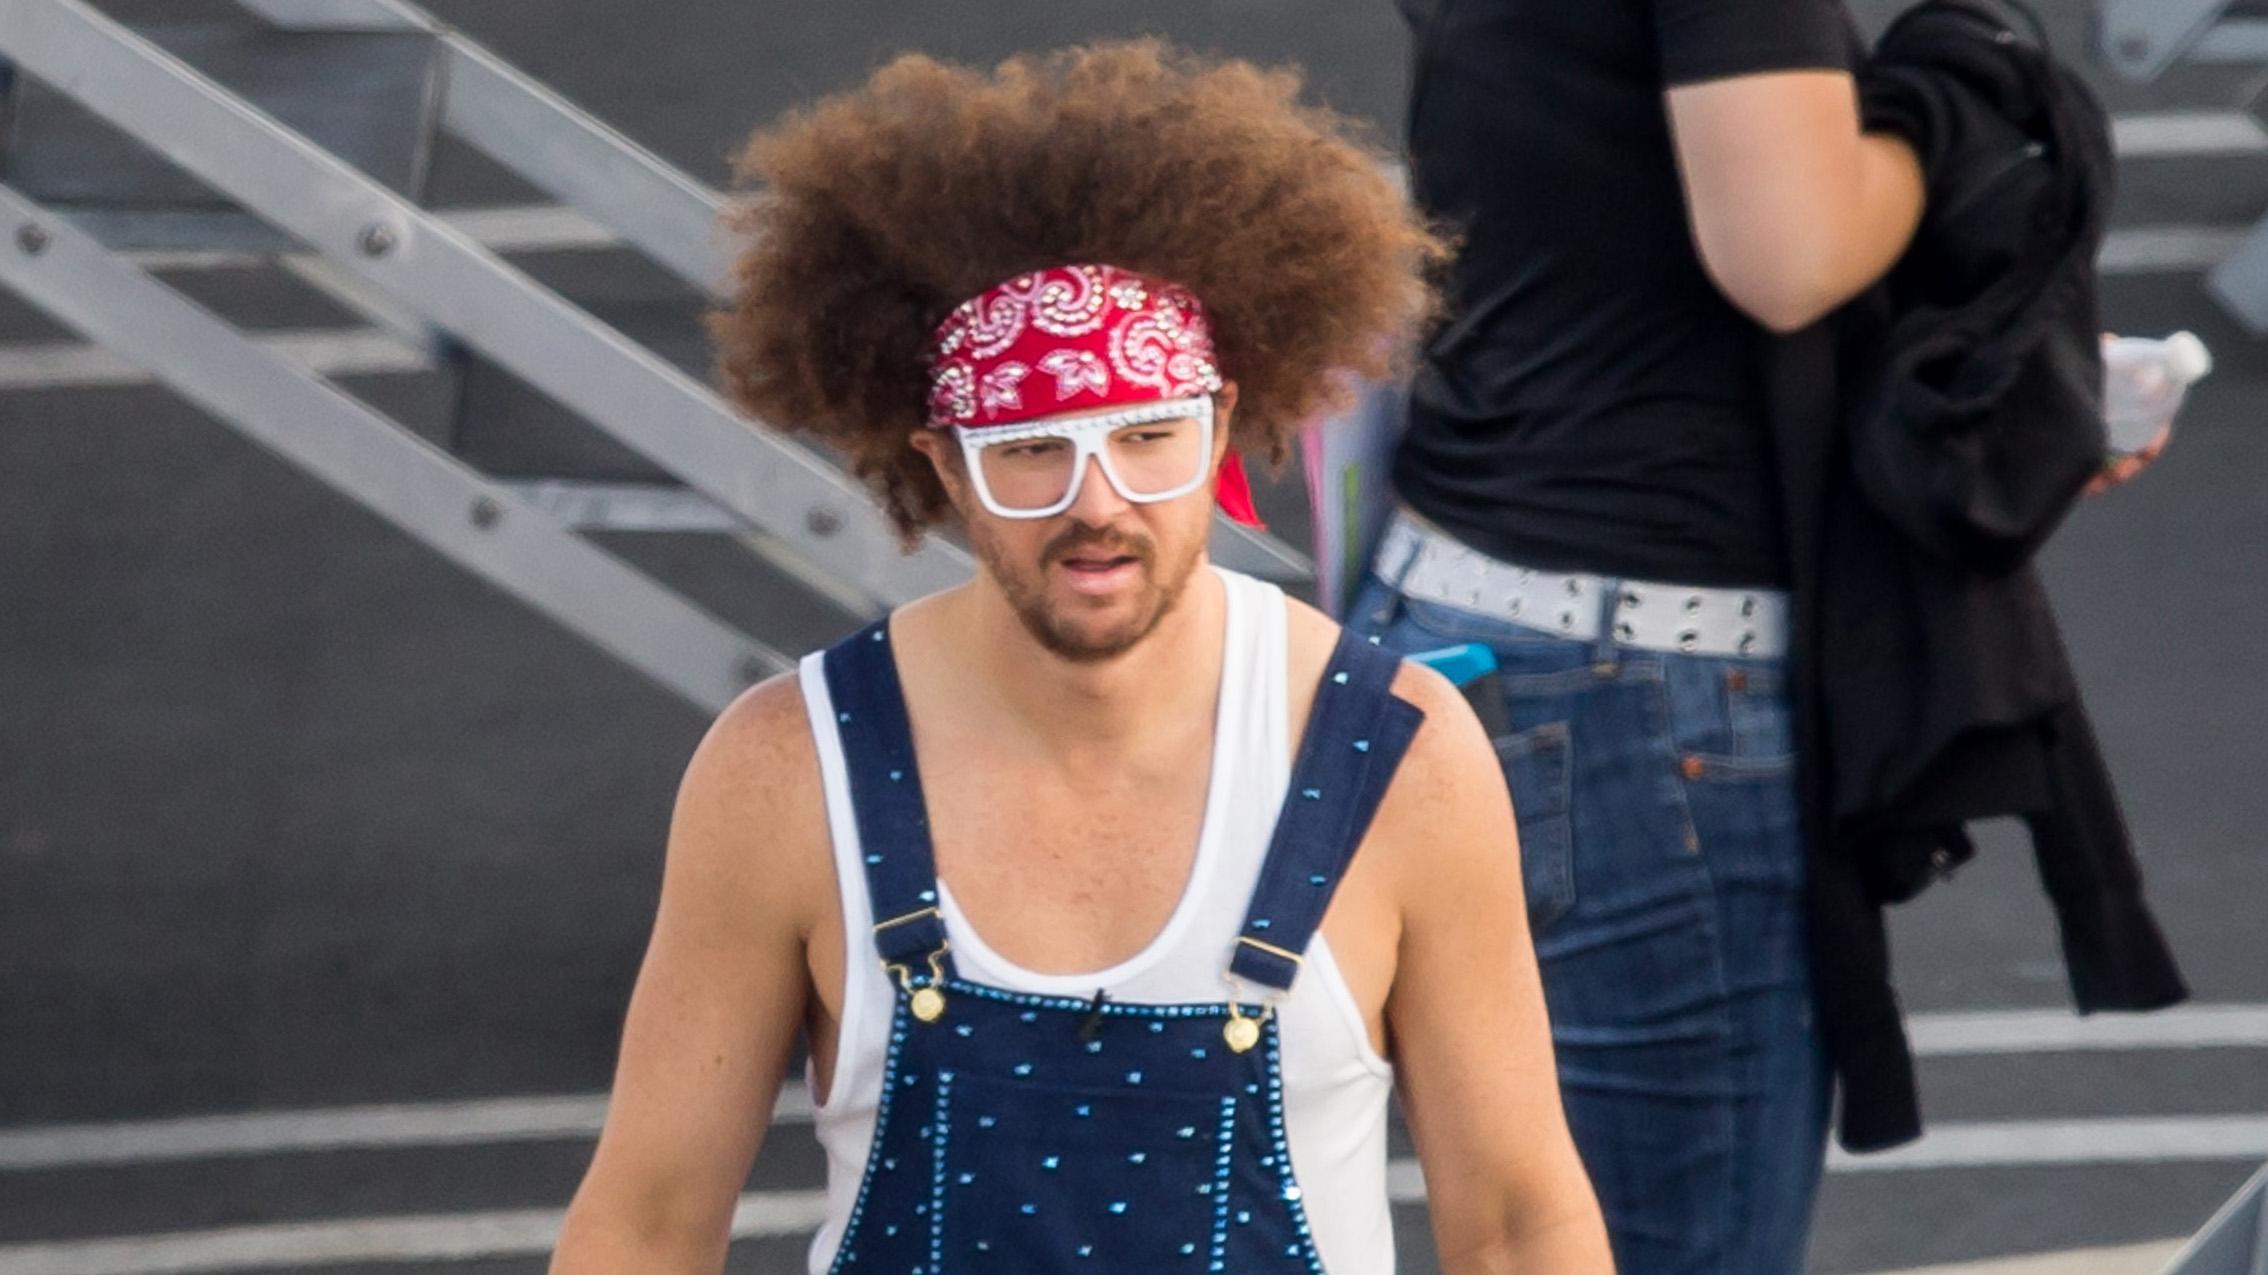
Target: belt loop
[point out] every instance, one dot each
(1392, 608)
(1605, 647)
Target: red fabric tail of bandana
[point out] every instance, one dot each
(1234, 492)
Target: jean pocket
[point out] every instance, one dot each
(1539, 768)
(1761, 717)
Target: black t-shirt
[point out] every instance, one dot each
(1590, 403)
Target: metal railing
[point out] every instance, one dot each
(2142, 40)
(426, 282)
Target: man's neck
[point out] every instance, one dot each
(1076, 707)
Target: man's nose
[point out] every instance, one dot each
(1098, 502)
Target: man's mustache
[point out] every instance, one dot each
(1107, 541)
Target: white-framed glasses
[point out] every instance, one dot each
(1149, 452)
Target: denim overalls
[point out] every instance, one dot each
(1025, 1134)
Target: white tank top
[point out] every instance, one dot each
(1335, 1085)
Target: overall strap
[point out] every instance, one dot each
(1356, 735)
(893, 821)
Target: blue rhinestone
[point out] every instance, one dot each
(964, 1030)
(1086, 1250)
(1312, 794)
(1185, 1131)
(1133, 1077)
(1188, 1248)
(1029, 1209)
(986, 1122)
(891, 1229)
(1137, 1157)
(1261, 923)
(1198, 1052)
(879, 634)
(1155, 1028)
(1340, 678)
(929, 896)
(1051, 1162)
(1023, 1069)
(890, 1164)
(897, 775)
(1362, 745)
(1082, 1111)
(1094, 1046)
(1028, 1016)
(842, 717)
(1118, 1206)
(1318, 879)
(1244, 1217)
(984, 1246)
(1204, 1188)
(967, 1178)
(874, 858)
(1374, 641)
(1291, 1250)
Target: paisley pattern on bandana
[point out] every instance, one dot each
(1103, 337)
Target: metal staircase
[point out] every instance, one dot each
(306, 141)
(2142, 40)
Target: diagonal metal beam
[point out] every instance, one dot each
(477, 523)
(548, 140)
(802, 502)
(2142, 38)
(582, 162)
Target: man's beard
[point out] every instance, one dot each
(1063, 636)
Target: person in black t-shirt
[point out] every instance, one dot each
(1586, 487)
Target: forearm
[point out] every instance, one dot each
(1570, 1242)
(599, 1241)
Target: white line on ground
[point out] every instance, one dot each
(2168, 249)
(2171, 134)
(2126, 1259)
(458, 1237)
(476, 1122)
(2104, 1140)
(2061, 1031)
(553, 1117)
(431, 1238)
(469, 1236)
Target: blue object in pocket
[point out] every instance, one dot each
(1471, 668)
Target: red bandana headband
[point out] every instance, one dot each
(1074, 337)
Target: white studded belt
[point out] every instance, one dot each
(1430, 565)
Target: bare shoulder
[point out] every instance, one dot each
(1450, 773)
(751, 819)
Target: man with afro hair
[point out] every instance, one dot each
(1112, 893)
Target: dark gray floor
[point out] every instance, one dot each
(293, 815)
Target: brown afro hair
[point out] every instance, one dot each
(881, 209)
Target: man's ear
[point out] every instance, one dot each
(944, 455)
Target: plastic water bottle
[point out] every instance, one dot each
(2144, 382)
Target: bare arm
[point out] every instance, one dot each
(719, 1000)
(1793, 209)
(1471, 1040)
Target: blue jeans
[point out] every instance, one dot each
(1664, 869)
